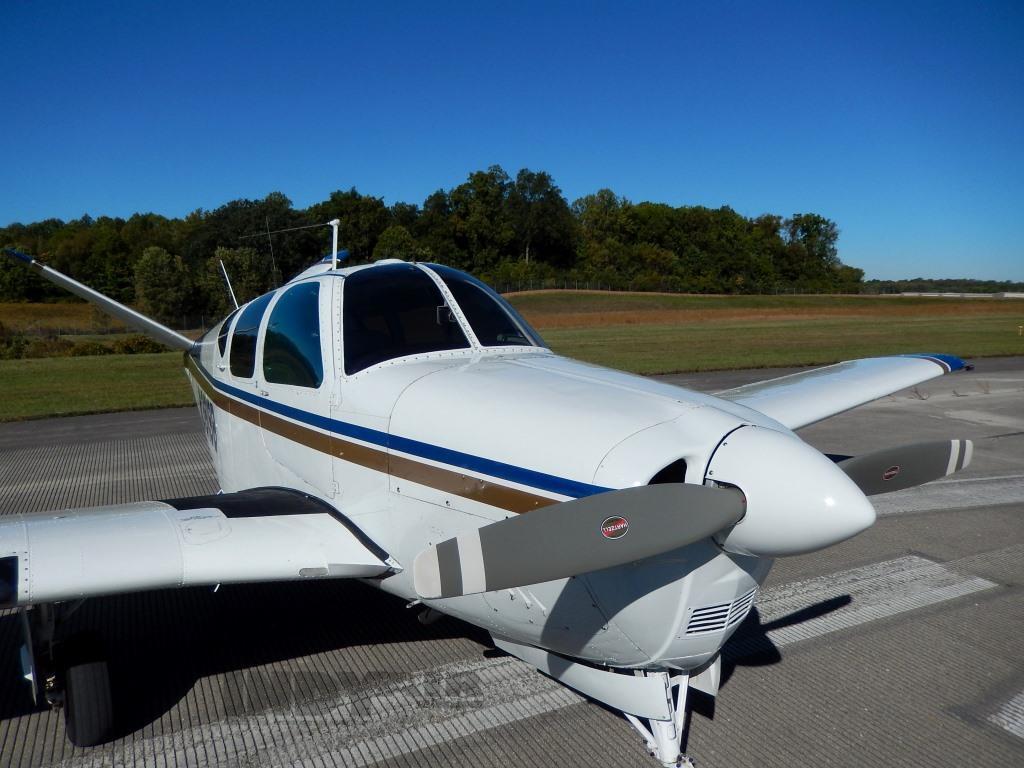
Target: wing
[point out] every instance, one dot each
(804, 398)
(262, 534)
(129, 316)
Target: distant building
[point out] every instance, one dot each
(950, 295)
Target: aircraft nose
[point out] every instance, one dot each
(798, 500)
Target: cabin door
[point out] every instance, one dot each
(295, 379)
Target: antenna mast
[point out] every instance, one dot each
(335, 223)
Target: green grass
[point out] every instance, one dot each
(755, 344)
(61, 386)
(63, 316)
(657, 333)
(640, 333)
(100, 338)
(613, 301)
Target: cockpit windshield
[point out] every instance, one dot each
(494, 321)
(394, 310)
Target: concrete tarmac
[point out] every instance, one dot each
(902, 646)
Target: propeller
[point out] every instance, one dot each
(894, 469)
(574, 537)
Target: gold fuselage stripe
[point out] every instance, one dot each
(440, 479)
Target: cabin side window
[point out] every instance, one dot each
(291, 347)
(494, 321)
(222, 337)
(392, 311)
(243, 340)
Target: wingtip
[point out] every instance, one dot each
(14, 254)
(948, 363)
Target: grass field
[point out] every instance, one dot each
(667, 333)
(643, 333)
(61, 386)
(58, 317)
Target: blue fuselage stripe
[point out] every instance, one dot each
(538, 480)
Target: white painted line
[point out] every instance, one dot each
(425, 710)
(876, 591)
(1010, 716)
(977, 479)
(463, 698)
(953, 494)
(987, 418)
(475, 721)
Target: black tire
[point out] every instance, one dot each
(88, 710)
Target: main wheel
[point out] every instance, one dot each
(88, 710)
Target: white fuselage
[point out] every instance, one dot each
(418, 449)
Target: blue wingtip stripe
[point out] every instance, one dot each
(948, 363)
(19, 255)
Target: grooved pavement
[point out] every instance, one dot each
(901, 647)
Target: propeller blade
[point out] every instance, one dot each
(576, 537)
(906, 466)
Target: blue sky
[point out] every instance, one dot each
(903, 124)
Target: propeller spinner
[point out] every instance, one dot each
(798, 500)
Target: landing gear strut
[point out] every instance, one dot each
(654, 702)
(69, 674)
(664, 738)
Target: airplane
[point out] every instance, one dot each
(402, 424)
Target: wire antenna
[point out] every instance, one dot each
(279, 231)
(273, 263)
(334, 224)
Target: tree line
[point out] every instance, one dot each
(506, 230)
(951, 285)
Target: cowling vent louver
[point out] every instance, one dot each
(740, 607)
(715, 618)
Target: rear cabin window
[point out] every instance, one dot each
(243, 340)
(291, 348)
(395, 310)
(494, 321)
(222, 337)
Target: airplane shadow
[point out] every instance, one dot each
(750, 645)
(159, 644)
